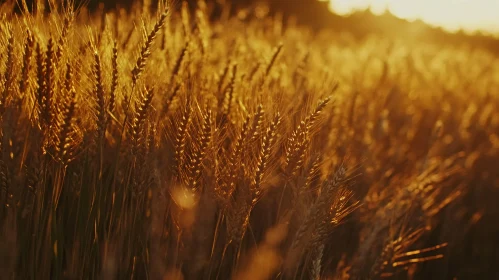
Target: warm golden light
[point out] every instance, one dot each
(469, 15)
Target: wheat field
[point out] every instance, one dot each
(166, 144)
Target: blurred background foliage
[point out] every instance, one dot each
(316, 14)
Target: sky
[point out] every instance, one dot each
(452, 15)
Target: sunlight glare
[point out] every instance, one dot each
(469, 15)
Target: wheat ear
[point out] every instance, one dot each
(28, 54)
(196, 161)
(145, 52)
(263, 158)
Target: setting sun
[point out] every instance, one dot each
(469, 15)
